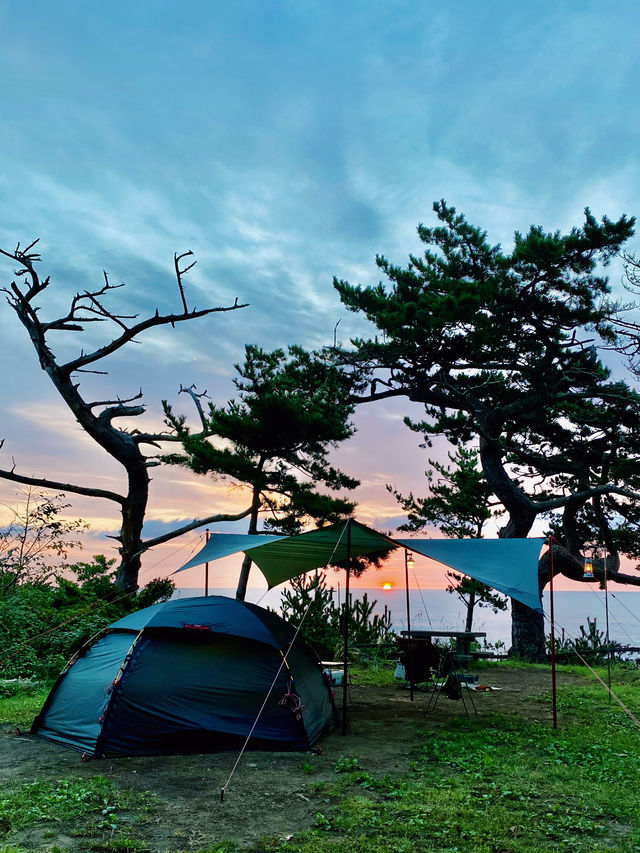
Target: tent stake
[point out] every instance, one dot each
(346, 632)
(553, 636)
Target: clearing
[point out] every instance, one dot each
(271, 794)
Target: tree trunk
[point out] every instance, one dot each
(241, 590)
(133, 513)
(527, 633)
(470, 605)
(527, 626)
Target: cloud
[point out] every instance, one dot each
(284, 144)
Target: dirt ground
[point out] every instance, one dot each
(270, 793)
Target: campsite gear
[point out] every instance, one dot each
(507, 565)
(451, 688)
(186, 676)
(408, 662)
(554, 707)
(420, 659)
(463, 638)
(450, 680)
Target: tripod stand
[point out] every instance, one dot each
(450, 679)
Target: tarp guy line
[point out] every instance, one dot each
(618, 623)
(627, 711)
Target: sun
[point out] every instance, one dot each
(387, 586)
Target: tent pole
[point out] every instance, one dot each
(406, 586)
(206, 566)
(606, 610)
(553, 636)
(347, 604)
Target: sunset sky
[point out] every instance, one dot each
(284, 143)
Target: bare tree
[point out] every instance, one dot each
(97, 417)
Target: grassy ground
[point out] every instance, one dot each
(497, 784)
(21, 705)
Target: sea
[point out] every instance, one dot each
(439, 609)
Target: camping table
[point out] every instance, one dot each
(334, 668)
(462, 638)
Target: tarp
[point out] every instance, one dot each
(224, 544)
(281, 558)
(507, 565)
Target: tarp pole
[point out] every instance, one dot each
(551, 540)
(206, 566)
(606, 610)
(406, 586)
(347, 604)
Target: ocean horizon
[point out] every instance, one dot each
(438, 609)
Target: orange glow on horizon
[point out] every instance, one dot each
(387, 586)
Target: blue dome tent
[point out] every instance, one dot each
(189, 676)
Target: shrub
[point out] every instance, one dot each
(591, 645)
(323, 625)
(42, 625)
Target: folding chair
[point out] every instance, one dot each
(450, 680)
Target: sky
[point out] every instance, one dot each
(283, 143)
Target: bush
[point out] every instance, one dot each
(42, 625)
(48, 608)
(310, 600)
(591, 645)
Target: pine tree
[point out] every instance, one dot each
(292, 409)
(501, 348)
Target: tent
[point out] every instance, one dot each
(189, 675)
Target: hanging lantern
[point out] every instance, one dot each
(410, 562)
(588, 574)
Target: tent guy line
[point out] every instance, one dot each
(616, 698)
(266, 698)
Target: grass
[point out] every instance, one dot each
(20, 708)
(494, 784)
(376, 674)
(95, 806)
(63, 799)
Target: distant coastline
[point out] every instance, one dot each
(439, 609)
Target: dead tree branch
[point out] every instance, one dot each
(45, 483)
(191, 391)
(180, 272)
(97, 417)
(193, 525)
